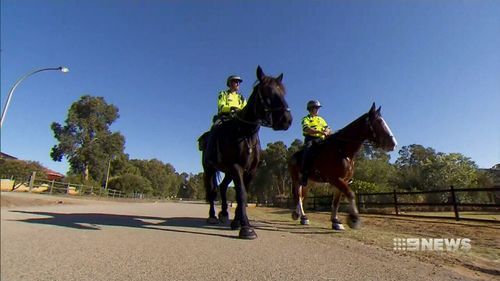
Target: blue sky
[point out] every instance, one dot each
(433, 66)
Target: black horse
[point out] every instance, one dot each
(233, 147)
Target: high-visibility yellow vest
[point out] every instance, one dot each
(316, 123)
(229, 101)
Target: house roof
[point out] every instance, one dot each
(7, 156)
(53, 173)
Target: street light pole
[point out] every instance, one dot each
(4, 111)
(107, 175)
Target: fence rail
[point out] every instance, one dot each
(400, 203)
(35, 185)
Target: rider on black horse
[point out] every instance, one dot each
(229, 102)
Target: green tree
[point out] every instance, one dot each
(130, 183)
(421, 168)
(196, 183)
(372, 170)
(409, 166)
(86, 140)
(277, 163)
(295, 146)
(446, 170)
(272, 178)
(164, 181)
(259, 189)
(121, 165)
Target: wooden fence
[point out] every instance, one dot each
(414, 203)
(35, 185)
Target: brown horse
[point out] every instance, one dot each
(237, 146)
(333, 163)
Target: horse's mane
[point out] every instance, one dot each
(268, 80)
(342, 134)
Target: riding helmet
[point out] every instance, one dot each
(313, 103)
(233, 77)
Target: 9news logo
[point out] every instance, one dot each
(432, 244)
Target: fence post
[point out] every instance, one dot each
(314, 202)
(396, 202)
(358, 202)
(454, 201)
(32, 181)
(67, 188)
(51, 187)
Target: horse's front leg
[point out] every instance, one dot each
(299, 210)
(336, 224)
(210, 182)
(246, 230)
(224, 214)
(354, 221)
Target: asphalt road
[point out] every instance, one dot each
(98, 240)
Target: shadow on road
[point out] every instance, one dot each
(94, 221)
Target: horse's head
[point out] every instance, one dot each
(381, 134)
(271, 106)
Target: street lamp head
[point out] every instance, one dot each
(4, 111)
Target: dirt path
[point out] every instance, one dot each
(72, 239)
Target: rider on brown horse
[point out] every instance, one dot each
(314, 129)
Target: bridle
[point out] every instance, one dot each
(372, 130)
(268, 110)
(370, 126)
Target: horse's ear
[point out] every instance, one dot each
(260, 73)
(280, 77)
(372, 109)
(378, 110)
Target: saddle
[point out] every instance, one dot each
(212, 149)
(217, 121)
(203, 140)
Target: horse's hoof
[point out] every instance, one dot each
(304, 220)
(354, 222)
(212, 220)
(295, 216)
(235, 225)
(223, 218)
(247, 232)
(338, 226)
